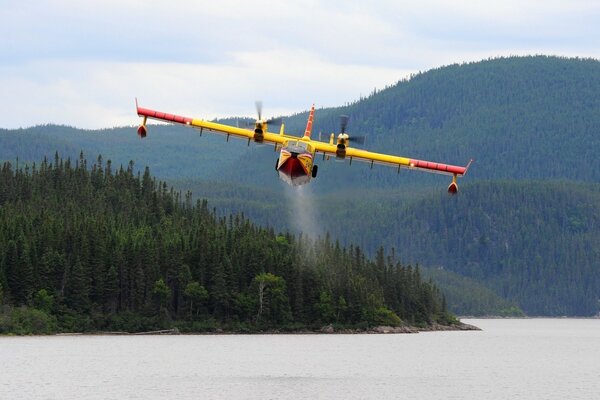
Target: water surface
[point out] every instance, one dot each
(516, 359)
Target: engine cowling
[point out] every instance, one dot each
(259, 128)
(340, 151)
(342, 142)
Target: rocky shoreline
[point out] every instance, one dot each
(331, 330)
(327, 330)
(401, 329)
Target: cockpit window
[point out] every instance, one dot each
(299, 146)
(304, 145)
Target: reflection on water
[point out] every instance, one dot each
(516, 359)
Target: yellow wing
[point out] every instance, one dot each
(259, 134)
(387, 159)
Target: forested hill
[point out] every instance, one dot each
(530, 123)
(534, 243)
(518, 117)
(95, 247)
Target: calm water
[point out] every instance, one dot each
(509, 359)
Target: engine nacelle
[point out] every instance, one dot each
(259, 128)
(258, 136)
(340, 151)
(142, 131)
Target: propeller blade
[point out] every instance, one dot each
(343, 123)
(258, 105)
(357, 139)
(275, 121)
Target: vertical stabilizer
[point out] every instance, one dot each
(309, 123)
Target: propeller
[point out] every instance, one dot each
(343, 124)
(275, 121)
(357, 139)
(271, 121)
(259, 105)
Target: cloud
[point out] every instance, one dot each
(94, 95)
(81, 63)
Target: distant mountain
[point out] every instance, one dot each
(534, 243)
(174, 151)
(518, 117)
(525, 225)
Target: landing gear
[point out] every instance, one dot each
(276, 164)
(315, 169)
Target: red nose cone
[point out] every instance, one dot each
(142, 131)
(452, 188)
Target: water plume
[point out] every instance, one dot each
(303, 211)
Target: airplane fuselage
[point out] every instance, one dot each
(295, 163)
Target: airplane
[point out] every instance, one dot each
(296, 162)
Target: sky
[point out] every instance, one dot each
(83, 63)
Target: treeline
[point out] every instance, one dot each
(92, 247)
(534, 243)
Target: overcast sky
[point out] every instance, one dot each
(82, 63)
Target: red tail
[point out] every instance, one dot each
(311, 116)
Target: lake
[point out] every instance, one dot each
(509, 359)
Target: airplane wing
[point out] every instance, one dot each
(387, 159)
(262, 137)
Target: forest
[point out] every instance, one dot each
(87, 248)
(533, 243)
(521, 234)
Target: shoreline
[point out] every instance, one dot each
(326, 330)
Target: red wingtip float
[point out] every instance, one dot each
(142, 131)
(452, 188)
(295, 164)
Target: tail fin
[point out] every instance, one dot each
(309, 123)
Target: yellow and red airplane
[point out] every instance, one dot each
(295, 164)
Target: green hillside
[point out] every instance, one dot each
(534, 243)
(466, 296)
(519, 118)
(525, 224)
(175, 151)
(94, 247)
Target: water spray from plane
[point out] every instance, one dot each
(303, 212)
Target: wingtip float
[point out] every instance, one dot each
(296, 162)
